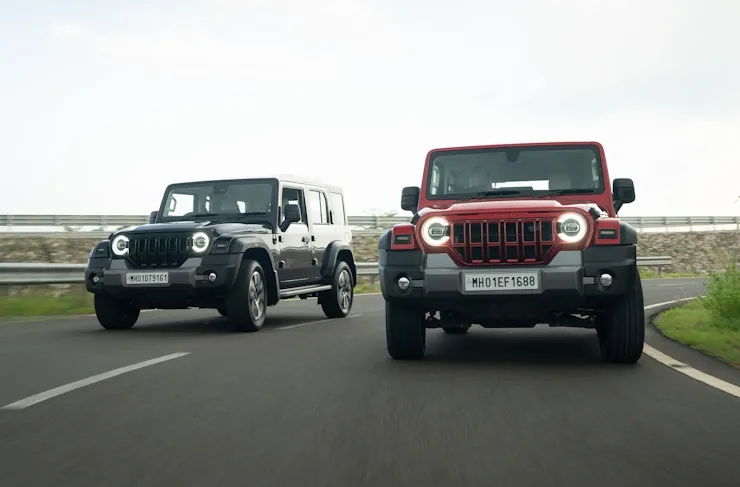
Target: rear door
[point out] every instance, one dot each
(294, 266)
(322, 232)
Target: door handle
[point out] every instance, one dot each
(313, 238)
(304, 239)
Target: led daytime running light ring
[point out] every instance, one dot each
(199, 249)
(427, 236)
(114, 245)
(582, 227)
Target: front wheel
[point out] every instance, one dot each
(246, 305)
(621, 331)
(114, 314)
(337, 302)
(405, 332)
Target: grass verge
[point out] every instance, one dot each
(709, 324)
(651, 274)
(49, 301)
(31, 301)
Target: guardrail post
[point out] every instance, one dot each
(660, 270)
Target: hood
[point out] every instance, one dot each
(510, 207)
(217, 228)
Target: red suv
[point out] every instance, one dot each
(509, 236)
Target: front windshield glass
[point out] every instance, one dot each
(506, 172)
(223, 198)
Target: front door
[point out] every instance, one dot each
(294, 266)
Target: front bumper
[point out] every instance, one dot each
(190, 280)
(570, 280)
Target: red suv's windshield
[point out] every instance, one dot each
(539, 170)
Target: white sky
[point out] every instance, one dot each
(102, 104)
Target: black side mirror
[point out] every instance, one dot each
(153, 216)
(410, 198)
(623, 192)
(292, 214)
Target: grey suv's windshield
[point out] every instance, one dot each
(230, 199)
(529, 171)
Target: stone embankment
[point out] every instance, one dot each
(694, 252)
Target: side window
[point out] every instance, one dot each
(295, 197)
(324, 209)
(337, 204)
(319, 210)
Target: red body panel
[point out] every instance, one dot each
(603, 200)
(403, 229)
(516, 216)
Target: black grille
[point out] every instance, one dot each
(503, 241)
(160, 251)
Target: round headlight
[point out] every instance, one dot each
(200, 242)
(572, 227)
(120, 245)
(435, 231)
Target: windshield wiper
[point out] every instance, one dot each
(494, 192)
(558, 192)
(225, 216)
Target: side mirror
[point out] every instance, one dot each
(623, 192)
(292, 215)
(153, 216)
(410, 198)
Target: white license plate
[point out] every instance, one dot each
(147, 278)
(502, 281)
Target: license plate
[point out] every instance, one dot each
(502, 281)
(147, 278)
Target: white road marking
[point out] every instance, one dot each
(686, 369)
(313, 322)
(58, 391)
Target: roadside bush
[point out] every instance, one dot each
(723, 297)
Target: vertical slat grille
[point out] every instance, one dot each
(159, 251)
(503, 241)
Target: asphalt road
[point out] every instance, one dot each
(322, 404)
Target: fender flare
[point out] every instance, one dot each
(239, 245)
(384, 242)
(330, 258)
(627, 234)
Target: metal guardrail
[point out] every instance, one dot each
(361, 222)
(38, 274)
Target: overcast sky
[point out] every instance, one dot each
(103, 103)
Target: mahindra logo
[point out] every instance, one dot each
(437, 232)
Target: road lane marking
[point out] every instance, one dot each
(58, 391)
(686, 369)
(289, 327)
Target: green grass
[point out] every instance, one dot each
(710, 324)
(48, 301)
(34, 301)
(653, 274)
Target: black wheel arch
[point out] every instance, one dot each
(336, 251)
(256, 249)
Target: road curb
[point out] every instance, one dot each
(650, 322)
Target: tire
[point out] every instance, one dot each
(246, 305)
(622, 330)
(405, 332)
(114, 314)
(222, 312)
(451, 330)
(337, 302)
